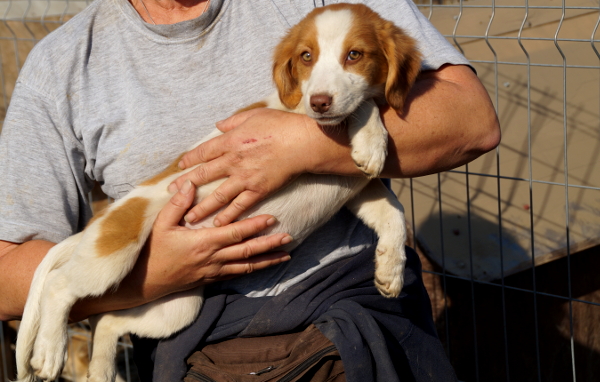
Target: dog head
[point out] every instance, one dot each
(340, 55)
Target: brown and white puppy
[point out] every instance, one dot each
(331, 66)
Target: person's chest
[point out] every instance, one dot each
(141, 103)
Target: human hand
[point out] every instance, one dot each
(177, 258)
(261, 151)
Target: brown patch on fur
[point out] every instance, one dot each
(96, 216)
(390, 56)
(173, 168)
(255, 105)
(122, 226)
(289, 70)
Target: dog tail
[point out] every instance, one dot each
(30, 322)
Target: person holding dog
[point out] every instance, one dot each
(124, 87)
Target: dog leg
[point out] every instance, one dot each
(380, 210)
(158, 319)
(368, 138)
(76, 279)
(106, 253)
(49, 351)
(96, 264)
(30, 323)
(167, 315)
(105, 336)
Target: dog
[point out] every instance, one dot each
(333, 66)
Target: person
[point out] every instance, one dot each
(123, 88)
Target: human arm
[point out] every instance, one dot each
(448, 121)
(175, 259)
(17, 265)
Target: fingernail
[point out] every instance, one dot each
(187, 186)
(286, 240)
(216, 223)
(172, 188)
(190, 218)
(218, 124)
(271, 221)
(286, 258)
(181, 165)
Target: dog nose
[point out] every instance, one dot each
(320, 103)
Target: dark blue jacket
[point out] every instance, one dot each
(379, 339)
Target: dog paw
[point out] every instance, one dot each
(370, 162)
(100, 376)
(389, 272)
(102, 365)
(49, 357)
(387, 287)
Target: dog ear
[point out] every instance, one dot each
(404, 64)
(284, 71)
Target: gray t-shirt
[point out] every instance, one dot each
(110, 98)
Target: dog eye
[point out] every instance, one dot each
(354, 55)
(306, 56)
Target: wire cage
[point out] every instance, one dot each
(508, 242)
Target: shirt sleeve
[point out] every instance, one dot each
(43, 187)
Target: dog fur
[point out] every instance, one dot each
(332, 66)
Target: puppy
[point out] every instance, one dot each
(332, 66)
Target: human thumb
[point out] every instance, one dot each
(180, 203)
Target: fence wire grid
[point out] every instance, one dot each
(509, 242)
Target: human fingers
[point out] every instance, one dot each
(204, 152)
(239, 231)
(237, 119)
(241, 203)
(172, 213)
(209, 151)
(203, 174)
(233, 196)
(241, 267)
(248, 249)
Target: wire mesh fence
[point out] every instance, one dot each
(509, 241)
(513, 236)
